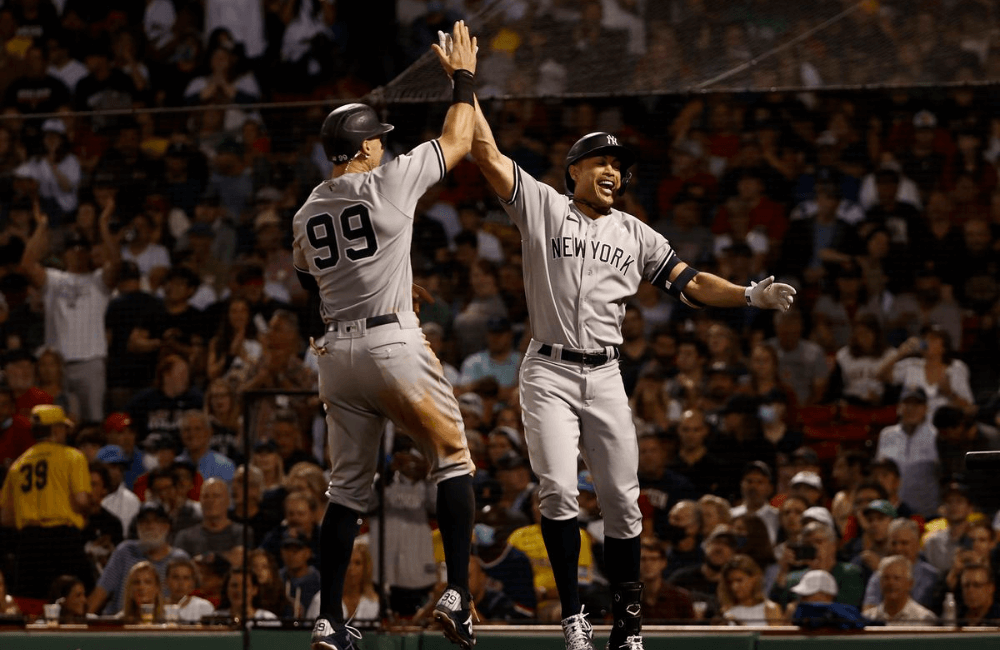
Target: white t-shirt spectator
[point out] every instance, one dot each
(74, 313)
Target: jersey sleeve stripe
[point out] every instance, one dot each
(517, 186)
(662, 274)
(440, 159)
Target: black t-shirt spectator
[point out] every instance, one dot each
(117, 91)
(37, 94)
(37, 25)
(154, 412)
(663, 493)
(189, 324)
(708, 475)
(127, 312)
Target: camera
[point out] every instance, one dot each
(803, 552)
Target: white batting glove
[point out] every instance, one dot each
(444, 42)
(768, 294)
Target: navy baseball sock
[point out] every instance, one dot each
(621, 559)
(562, 543)
(336, 538)
(456, 515)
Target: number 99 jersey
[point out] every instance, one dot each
(41, 483)
(353, 235)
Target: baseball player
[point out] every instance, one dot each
(352, 245)
(582, 260)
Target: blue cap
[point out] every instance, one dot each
(112, 454)
(585, 482)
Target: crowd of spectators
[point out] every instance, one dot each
(809, 458)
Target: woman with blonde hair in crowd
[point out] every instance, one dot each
(741, 594)
(360, 598)
(142, 587)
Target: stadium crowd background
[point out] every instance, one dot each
(768, 447)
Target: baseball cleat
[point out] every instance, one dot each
(456, 620)
(326, 636)
(578, 631)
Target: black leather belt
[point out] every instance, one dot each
(577, 356)
(374, 321)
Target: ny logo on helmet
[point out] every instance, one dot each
(612, 141)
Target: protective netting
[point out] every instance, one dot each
(563, 48)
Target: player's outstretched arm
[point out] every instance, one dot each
(702, 288)
(458, 58)
(496, 167)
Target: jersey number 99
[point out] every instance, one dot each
(35, 476)
(355, 224)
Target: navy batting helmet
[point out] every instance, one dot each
(595, 144)
(345, 128)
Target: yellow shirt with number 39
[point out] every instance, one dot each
(41, 483)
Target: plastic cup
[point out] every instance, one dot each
(148, 610)
(700, 608)
(172, 613)
(52, 611)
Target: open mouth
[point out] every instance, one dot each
(606, 187)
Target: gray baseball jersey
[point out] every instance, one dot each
(578, 273)
(353, 235)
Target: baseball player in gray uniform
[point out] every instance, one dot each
(582, 260)
(352, 245)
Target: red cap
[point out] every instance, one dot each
(117, 422)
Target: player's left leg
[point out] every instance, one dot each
(610, 448)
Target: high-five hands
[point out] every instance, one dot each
(768, 294)
(457, 51)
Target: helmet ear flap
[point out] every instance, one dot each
(625, 181)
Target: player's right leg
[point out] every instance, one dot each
(552, 433)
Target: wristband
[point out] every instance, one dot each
(746, 294)
(465, 88)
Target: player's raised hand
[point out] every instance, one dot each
(456, 51)
(768, 294)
